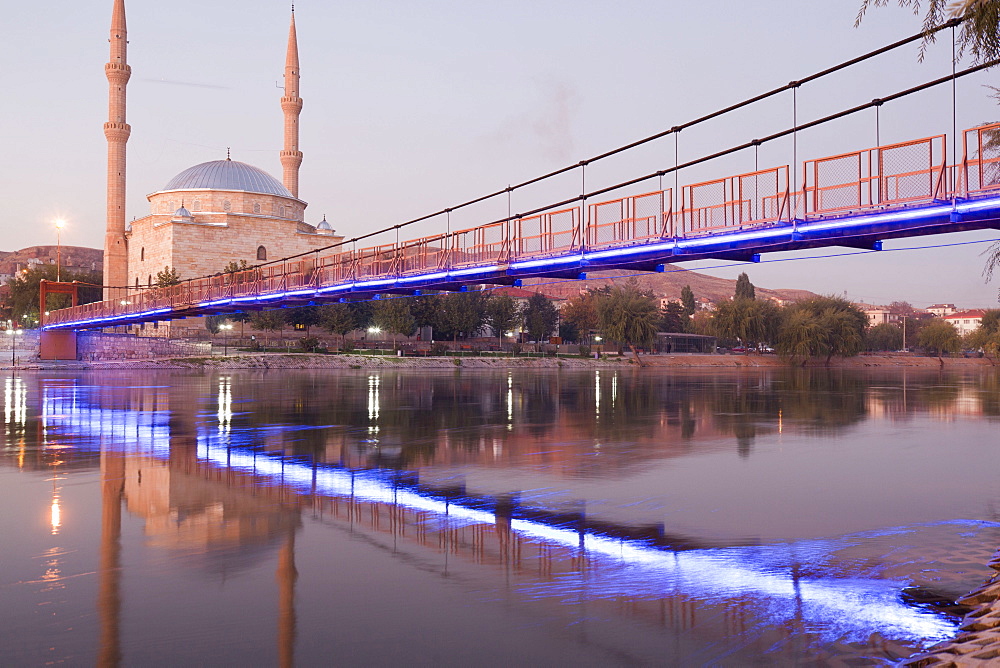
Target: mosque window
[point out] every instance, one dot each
(170, 207)
(261, 253)
(142, 254)
(149, 281)
(256, 207)
(137, 281)
(197, 205)
(281, 211)
(226, 205)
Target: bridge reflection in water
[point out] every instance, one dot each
(197, 480)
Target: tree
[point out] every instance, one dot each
(821, 326)
(337, 318)
(540, 317)
(213, 322)
(268, 321)
(979, 34)
(939, 336)
(25, 286)
(885, 336)
(673, 318)
(629, 317)
(749, 321)
(234, 267)
(744, 288)
(687, 300)
(167, 277)
(502, 314)
(393, 315)
(581, 312)
(901, 308)
(302, 316)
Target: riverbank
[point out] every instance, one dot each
(978, 642)
(349, 361)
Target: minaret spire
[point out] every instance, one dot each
(291, 104)
(117, 132)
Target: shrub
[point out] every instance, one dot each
(438, 349)
(308, 343)
(585, 350)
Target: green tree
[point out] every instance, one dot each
(687, 300)
(825, 326)
(302, 316)
(213, 322)
(673, 318)
(628, 317)
(25, 291)
(979, 33)
(744, 288)
(748, 321)
(540, 317)
(581, 312)
(885, 336)
(798, 335)
(463, 313)
(393, 315)
(268, 321)
(166, 277)
(234, 267)
(337, 318)
(502, 314)
(939, 336)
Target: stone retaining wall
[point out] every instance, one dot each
(98, 346)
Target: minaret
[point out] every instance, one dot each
(117, 132)
(291, 104)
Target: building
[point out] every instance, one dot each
(966, 322)
(941, 310)
(209, 214)
(881, 316)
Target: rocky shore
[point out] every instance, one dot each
(357, 361)
(978, 641)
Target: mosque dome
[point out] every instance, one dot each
(182, 212)
(324, 226)
(227, 175)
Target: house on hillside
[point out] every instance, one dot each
(966, 322)
(941, 310)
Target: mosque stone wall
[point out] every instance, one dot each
(93, 346)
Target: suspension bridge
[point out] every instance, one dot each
(949, 182)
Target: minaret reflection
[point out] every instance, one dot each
(109, 571)
(286, 575)
(15, 396)
(373, 407)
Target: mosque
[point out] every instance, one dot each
(211, 213)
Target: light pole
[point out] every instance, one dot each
(14, 333)
(225, 327)
(60, 223)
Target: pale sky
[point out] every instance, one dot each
(411, 107)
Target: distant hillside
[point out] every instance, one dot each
(668, 284)
(71, 257)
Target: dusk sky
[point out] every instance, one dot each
(413, 107)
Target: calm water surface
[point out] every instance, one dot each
(490, 517)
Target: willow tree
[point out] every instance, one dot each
(629, 317)
(979, 33)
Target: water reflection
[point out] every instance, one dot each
(224, 489)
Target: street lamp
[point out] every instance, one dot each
(14, 333)
(225, 327)
(60, 223)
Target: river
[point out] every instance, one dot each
(457, 517)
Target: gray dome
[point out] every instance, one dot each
(182, 213)
(323, 225)
(227, 175)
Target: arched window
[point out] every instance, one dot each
(256, 207)
(137, 281)
(197, 205)
(281, 211)
(142, 254)
(261, 253)
(149, 281)
(226, 205)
